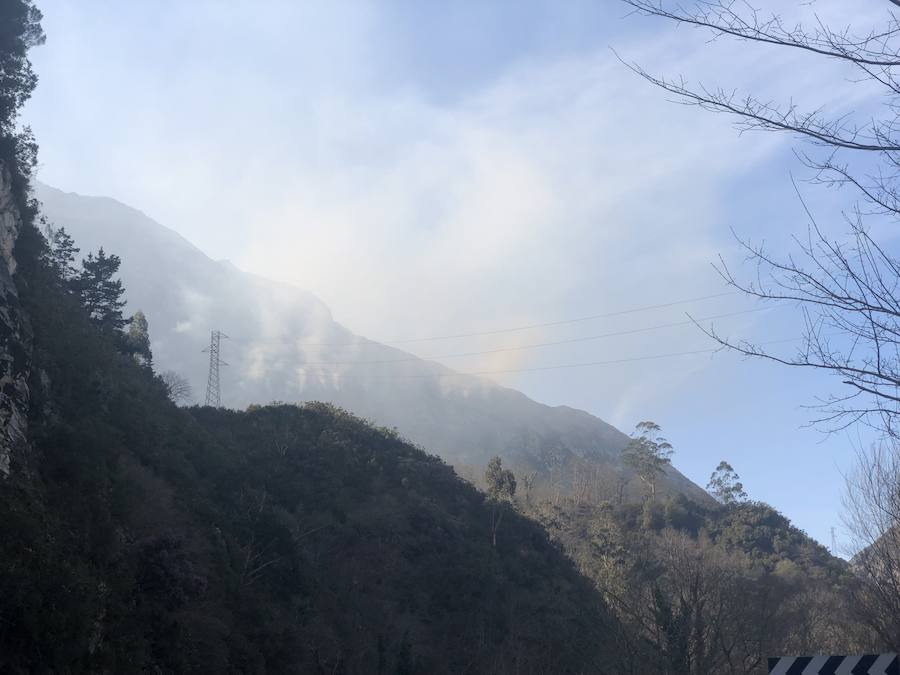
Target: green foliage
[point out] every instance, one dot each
(501, 489)
(704, 589)
(101, 294)
(61, 254)
(20, 29)
(685, 515)
(648, 454)
(653, 516)
(501, 483)
(725, 485)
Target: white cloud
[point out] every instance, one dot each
(561, 186)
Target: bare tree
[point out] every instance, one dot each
(177, 387)
(875, 53)
(872, 518)
(845, 288)
(848, 297)
(699, 608)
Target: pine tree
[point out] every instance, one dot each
(21, 22)
(100, 294)
(61, 254)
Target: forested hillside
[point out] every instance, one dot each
(285, 538)
(703, 589)
(137, 536)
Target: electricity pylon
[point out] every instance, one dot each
(213, 391)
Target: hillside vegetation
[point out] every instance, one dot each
(709, 589)
(137, 535)
(141, 536)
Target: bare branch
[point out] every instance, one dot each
(757, 114)
(724, 19)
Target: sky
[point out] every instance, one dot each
(441, 168)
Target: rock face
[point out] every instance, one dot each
(15, 338)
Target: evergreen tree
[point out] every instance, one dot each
(21, 29)
(501, 483)
(100, 294)
(501, 488)
(648, 454)
(725, 485)
(61, 254)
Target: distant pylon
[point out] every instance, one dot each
(833, 542)
(213, 391)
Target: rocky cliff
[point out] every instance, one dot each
(15, 337)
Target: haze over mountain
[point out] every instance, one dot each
(148, 528)
(284, 345)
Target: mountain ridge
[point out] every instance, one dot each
(465, 419)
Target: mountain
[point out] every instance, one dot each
(275, 330)
(139, 537)
(136, 536)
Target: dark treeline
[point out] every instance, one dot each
(711, 586)
(137, 536)
(703, 588)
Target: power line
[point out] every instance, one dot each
(501, 350)
(547, 324)
(497, 331)
(554, 367)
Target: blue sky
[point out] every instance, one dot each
(435, 168)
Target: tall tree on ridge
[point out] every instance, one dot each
(648, 453)
(501, 488)
(725, 485)
(100, 293)
(61, 254)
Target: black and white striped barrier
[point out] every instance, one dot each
(865, 664)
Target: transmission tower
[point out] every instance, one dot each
(833, 542)
(213, 391)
